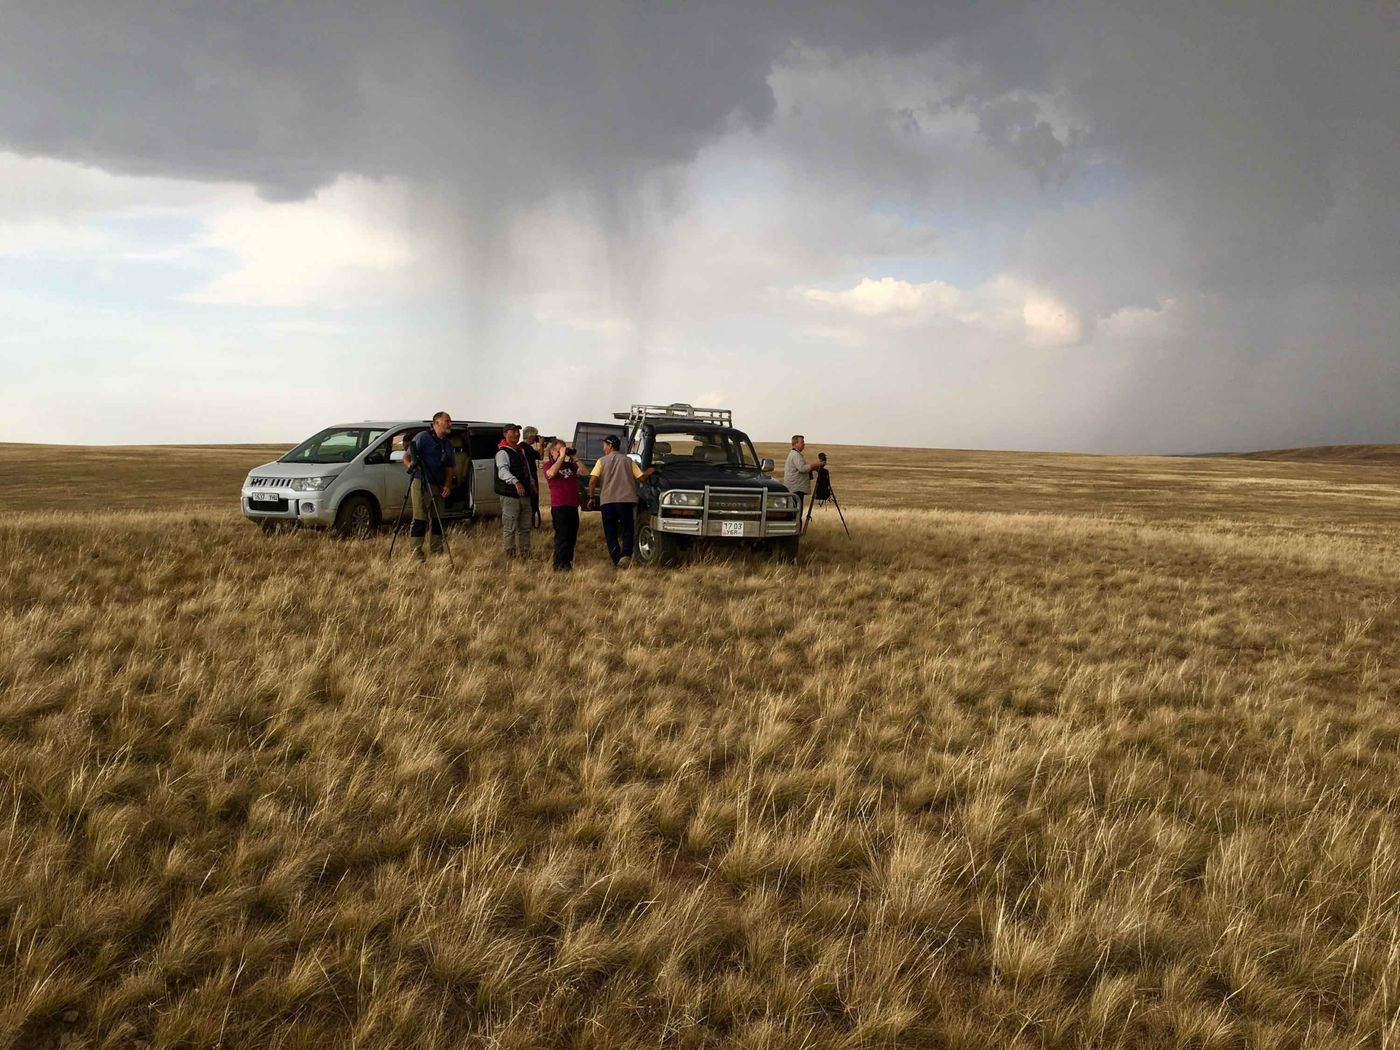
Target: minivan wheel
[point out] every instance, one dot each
(655, 547)
(358, 516)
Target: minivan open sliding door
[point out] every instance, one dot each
(483, 441)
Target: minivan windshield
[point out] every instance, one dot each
(334, 445)
(712, 447)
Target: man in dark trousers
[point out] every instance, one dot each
(530, 446)
(512, 484)
(430, 457)
(613, 485)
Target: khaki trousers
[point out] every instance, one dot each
(515, 524)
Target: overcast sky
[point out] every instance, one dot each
(1099, 226)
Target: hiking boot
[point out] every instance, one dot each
(625, 562)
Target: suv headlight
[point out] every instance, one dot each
(782, 501)
(683, 499)
(311, 484)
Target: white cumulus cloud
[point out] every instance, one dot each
(335, 248)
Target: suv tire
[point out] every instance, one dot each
(654, 547)
(785, 549)
(357, 516)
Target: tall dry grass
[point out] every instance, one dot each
(971, 779)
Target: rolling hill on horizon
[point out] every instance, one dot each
(1384, 454)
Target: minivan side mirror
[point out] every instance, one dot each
(396, 456)
(766, 465)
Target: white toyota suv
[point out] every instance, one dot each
(351, 477)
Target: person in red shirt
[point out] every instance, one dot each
(562, 475)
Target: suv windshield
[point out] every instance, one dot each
(336, 445)
(711, 447)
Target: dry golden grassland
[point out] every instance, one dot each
(1059, 751)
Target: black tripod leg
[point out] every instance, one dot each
(811, 506)
(837, 504)
(442, 525)
(398, 522)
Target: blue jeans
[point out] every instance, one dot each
(617, 529)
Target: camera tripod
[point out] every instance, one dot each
(430, 499)
(824, 494)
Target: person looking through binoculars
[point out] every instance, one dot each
(430, 460)
(562, 474)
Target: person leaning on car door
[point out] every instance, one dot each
(616, 474)
(513, 486)
(429, 456)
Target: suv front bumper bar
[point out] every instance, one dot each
(752, 524)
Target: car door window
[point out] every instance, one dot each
(380, 454)
(588, 439)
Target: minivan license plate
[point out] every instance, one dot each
(731, 528)
(263, 497)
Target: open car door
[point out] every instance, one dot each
(588, 442)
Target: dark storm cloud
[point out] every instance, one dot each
(515, 97)
(1264, 128)
(1265, 124)
(1237, 160)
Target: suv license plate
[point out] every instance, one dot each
(731, 528)
(262, 497)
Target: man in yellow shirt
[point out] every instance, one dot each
(616, 475)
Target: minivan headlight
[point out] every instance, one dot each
(683, 499)
(311, 484)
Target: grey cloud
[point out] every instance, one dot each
(517, 96)
(1240, 158)
(1013, 125)
(1259, 124)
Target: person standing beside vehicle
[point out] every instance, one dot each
(511, 484)
(429, 458)
(797, 472)
(530, 446)
(612, 484)
(562, 477)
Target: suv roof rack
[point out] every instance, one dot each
(676, 413)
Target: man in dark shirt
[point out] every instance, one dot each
(530, 448)
(433, 465)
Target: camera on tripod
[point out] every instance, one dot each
(824, 493)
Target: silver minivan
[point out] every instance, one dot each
(351, 477)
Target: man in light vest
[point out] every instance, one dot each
(513, 486)
(613, 486)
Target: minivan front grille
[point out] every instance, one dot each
(266, 482)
